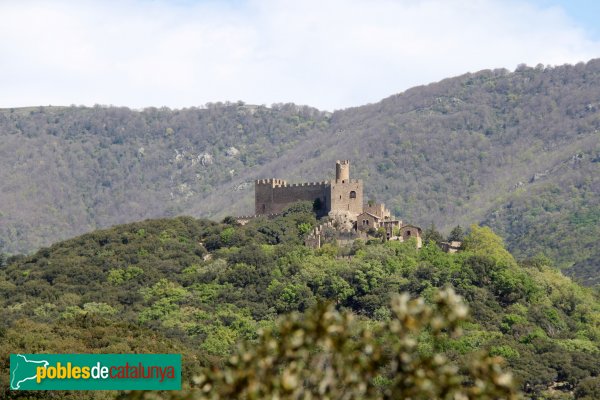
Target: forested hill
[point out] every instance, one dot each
(198, 287)
(519, 151)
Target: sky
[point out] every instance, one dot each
(329, 54)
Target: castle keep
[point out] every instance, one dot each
(343, 194)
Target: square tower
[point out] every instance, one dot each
(346, 193)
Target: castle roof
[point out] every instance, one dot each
(411, 226)
(368, 213)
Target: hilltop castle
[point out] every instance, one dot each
(272, 196)
(340, 199)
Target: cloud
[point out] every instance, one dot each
(328, 54)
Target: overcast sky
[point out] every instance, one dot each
(327, 54)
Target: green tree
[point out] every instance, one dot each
(588, 389)
(226, 235)
(484, 242)
(328, 354)
(299, 207)
(456, 234)
(432, 234)
(304, 228)
(229, 220)
(2, 255)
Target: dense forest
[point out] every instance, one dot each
(517, 151)
(199, 287)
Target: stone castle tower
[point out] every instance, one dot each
(272, 196)
(346, 194)
(342, 170)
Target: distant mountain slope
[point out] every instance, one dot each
(519, 151)
(66, 171)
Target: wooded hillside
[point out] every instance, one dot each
(198, 287)
(518, 151)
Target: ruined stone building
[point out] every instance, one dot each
(375, 216)
(272, 196)
(451, 247)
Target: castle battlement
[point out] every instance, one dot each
(357, 181)
(270, 182)
(276, 185)
(306, 184)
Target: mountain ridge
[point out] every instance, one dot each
(483, 147)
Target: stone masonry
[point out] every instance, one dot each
(272, 196)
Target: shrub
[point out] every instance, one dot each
(328, 354)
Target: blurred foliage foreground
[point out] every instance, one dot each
(325, 354)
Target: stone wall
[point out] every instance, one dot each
(272, 197)
(410, 231)
(347, 195)
(366, 222)
(378, 210)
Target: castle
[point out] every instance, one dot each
(340, 199)
(272, 196)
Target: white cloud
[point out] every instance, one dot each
(328, 54)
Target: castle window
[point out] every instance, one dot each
(407, 233)
(353, 194)
(343, 181)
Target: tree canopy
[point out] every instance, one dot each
(201, 288)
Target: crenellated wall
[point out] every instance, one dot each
(272, 196)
